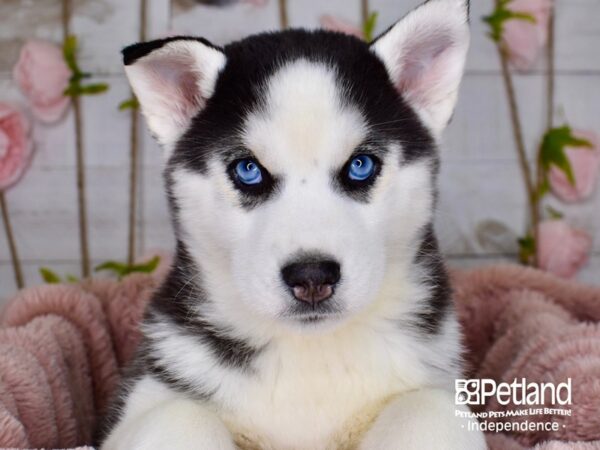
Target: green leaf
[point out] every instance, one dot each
(543, 189)
(49, 276)
(553, 213)
(502, 14)
(130, 103)
(122, 269)
(73, 90)
(71, 278)
(70, 54)
(93, 89)
(552, 152)
(526, 249)
(77, 77)
(369, 26)
(116, 267)
(147, 267)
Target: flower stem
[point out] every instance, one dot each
(551, 68)
(133, 172)
(12, 245)
(284, 21)
(81, 188)
(364, 11)
(133, 154)
(550, 86)
(530, 184)
(80, 159)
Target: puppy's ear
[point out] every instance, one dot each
(425, 54)
(172, 80)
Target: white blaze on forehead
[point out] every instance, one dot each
(304, 120)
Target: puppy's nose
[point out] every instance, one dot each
(312, 280)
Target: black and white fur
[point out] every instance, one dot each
(230, 358)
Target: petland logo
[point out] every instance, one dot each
(519, 392)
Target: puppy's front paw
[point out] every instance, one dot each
(176, 425)
(422, 419)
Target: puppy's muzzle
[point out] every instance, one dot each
(312, 280)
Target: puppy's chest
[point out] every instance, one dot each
(303, 398)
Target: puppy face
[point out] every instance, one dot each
(311, 179)
(301, 165)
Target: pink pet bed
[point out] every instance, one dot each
(62, 348)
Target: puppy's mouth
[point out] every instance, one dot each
(308, 314)
(313, 319)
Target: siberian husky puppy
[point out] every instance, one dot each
(308, 306)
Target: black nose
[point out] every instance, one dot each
(312, 280)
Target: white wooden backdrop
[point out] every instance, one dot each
(480, 182)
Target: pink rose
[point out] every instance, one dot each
(525, 39)
(561, 249)
(15, 146)
(585, 163)
(334, 24)
(43, 76)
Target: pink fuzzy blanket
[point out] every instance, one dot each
(61, 349)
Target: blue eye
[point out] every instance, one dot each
(248, 172)
(361, 168)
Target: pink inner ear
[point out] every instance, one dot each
(176, 84)
(424, 65)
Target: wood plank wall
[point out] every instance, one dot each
(481, 189)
